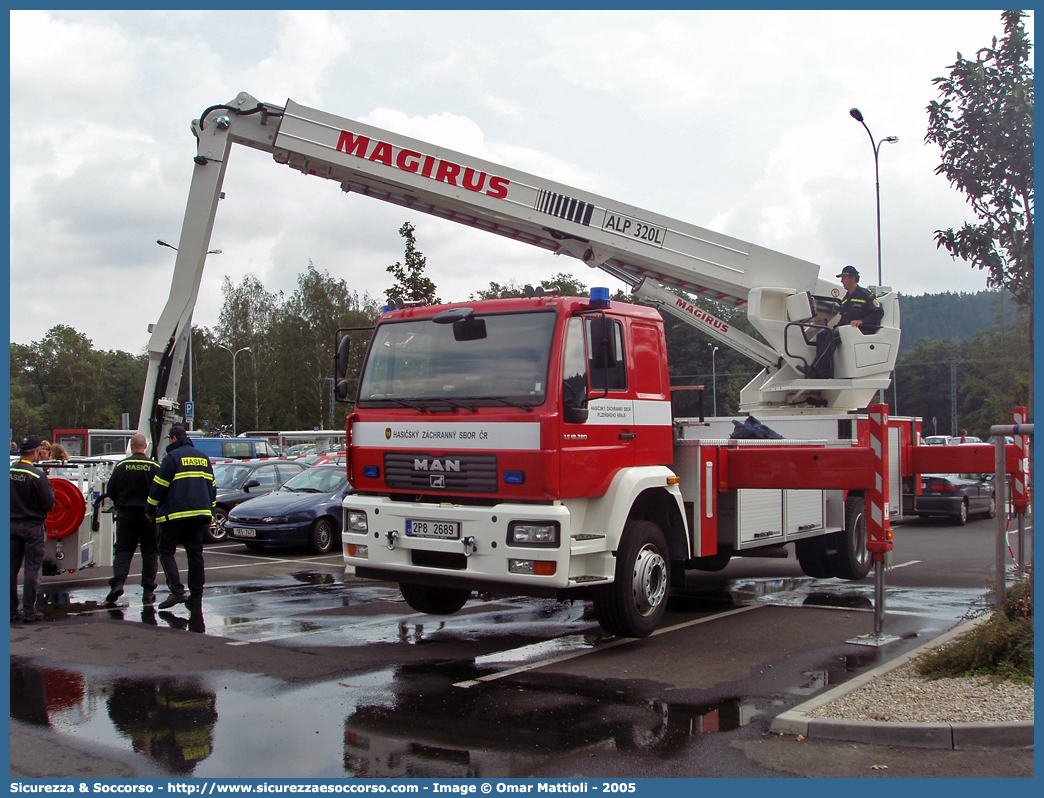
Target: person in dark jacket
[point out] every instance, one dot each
(32, 498)
(128, 488)
(859, 308)
(181, 501)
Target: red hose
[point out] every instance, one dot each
(70, 508)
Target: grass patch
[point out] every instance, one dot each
(1001, 648)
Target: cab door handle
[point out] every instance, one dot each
(627, 436)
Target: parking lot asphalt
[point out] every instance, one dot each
(695, 699)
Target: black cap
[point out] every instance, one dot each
(177, 431)
(30, 442)
(849, 270)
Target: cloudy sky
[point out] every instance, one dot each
(734, 121)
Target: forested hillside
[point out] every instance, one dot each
(949, 315)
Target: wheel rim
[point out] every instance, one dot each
(964, 512)
(323, 536)
(648, 580)
(862, 553)
(217, 526)
(993, 507)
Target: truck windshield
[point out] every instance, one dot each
(418, 363)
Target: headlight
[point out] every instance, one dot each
(533, 533)
(355, 521)
(274, 519)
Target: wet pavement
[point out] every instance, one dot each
(308, 672)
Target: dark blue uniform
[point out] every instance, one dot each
(182, 498)
(857, 304)
(128, 489)
(32, 498)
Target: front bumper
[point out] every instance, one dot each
(269, 534)
(482, 554)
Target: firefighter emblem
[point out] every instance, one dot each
(387, 433)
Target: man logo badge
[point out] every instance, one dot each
(438, 481)
(387, 433)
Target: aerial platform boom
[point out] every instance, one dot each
(782, 294)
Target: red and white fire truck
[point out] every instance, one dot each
(527, 446)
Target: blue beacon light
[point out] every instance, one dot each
(600, 297)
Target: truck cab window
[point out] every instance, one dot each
(613, 375)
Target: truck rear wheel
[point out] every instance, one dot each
(852, 560)
(814, 555)
(434, 600)
(634, 604)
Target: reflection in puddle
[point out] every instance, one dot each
(169, 720)
(507, 731)
(409, 721)
(836, 671)
(943, 605)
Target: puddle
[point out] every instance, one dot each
(836, 671)
(940, 606)
(315, 608)
(407, 721)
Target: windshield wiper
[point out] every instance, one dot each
(456, 403)
(434, 400)
(405, 403)
(527, 407)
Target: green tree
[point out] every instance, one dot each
(566, 284)
(306, 331)
(246, 320)
(984, 126)
(410, 283)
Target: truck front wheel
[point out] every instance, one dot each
(434, 600)
(634, 604)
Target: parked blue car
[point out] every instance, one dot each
(305, 510)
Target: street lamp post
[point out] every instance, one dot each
(714, 379)
(234, 355)
(163, 243)
(858, 116)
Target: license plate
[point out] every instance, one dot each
(244, 533)
(421, 528)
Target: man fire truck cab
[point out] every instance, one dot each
(527, 446)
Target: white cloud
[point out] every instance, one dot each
(736, 121)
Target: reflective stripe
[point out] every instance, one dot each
(162, 482)
(193, 475)
(26, 471)
(184, 514)
(153, 502)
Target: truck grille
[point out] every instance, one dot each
(424, 473)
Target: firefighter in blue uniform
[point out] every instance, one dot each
(859, 308)
(128, 488)
(181, 501)
(32, 498)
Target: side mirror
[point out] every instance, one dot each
(251, 483)
(344, 349)
(342, 390)
(603, 342)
